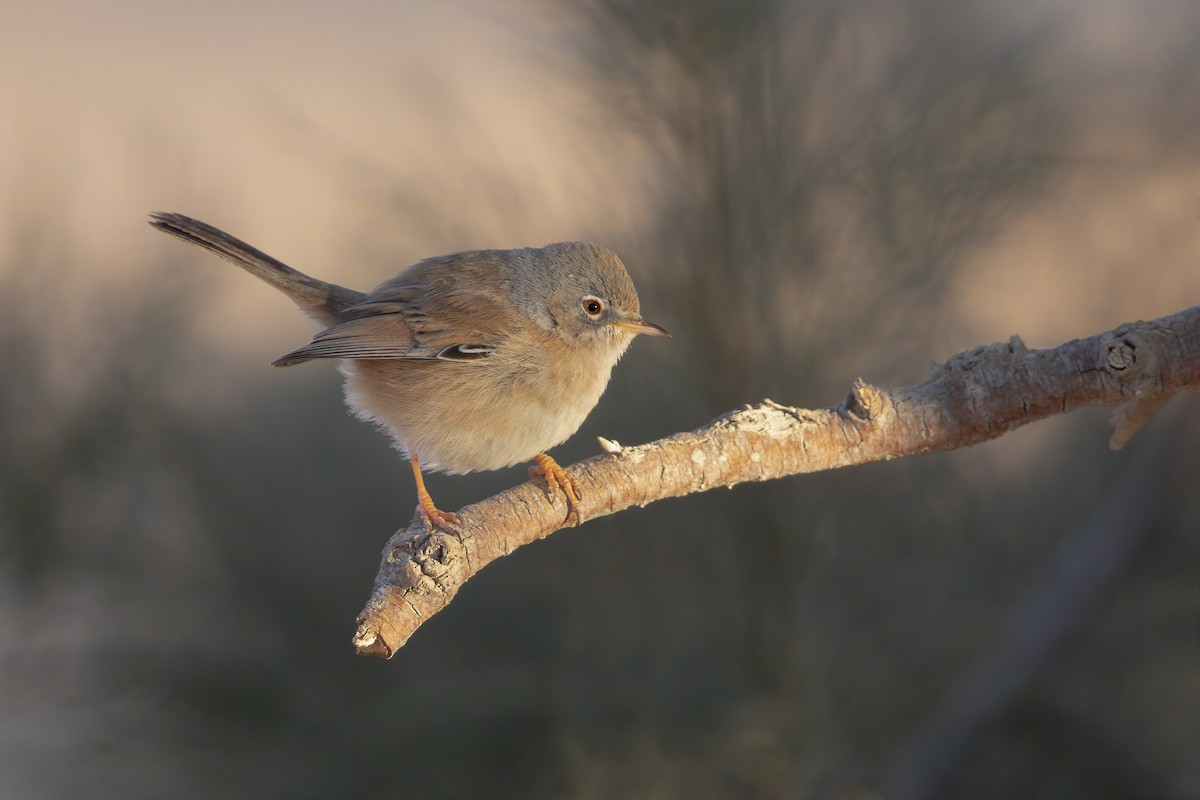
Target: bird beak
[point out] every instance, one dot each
(639, 325)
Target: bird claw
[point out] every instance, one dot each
(438, 520)
(557, 478)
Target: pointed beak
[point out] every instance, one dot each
(639, 325)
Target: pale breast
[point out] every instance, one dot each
(463, 417)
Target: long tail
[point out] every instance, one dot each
(322, 302)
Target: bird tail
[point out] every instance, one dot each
(322, 302)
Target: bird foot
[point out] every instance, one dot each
(436, 519)
(556, 478)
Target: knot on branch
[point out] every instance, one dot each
(866, 402)
(1130, 358)
(429, 562)
(1121, 356)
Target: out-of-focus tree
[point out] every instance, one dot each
(182, 575)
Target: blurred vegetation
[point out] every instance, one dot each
(180, 587)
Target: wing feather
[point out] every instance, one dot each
(380, 336)
(458, 325)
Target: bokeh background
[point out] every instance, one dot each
(805, 193)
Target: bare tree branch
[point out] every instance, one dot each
(977, 395)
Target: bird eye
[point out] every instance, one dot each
(593, 306)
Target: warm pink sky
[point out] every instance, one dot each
(290, 124)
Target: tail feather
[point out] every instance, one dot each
(322, 302)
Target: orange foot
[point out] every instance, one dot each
(435, 518)
(557, 478)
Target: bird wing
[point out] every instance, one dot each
(380, 336)
(404, 324)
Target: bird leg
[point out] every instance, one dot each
(435, 518)
(557, 478)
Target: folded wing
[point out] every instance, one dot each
(450, 326)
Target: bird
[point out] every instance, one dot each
(476, 360)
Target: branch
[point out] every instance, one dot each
(977, 395)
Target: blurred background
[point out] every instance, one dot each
(804, 192)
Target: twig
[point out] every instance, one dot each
(977, 395)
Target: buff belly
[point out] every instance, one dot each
(464, 417)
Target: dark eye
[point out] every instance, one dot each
(593, 306)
